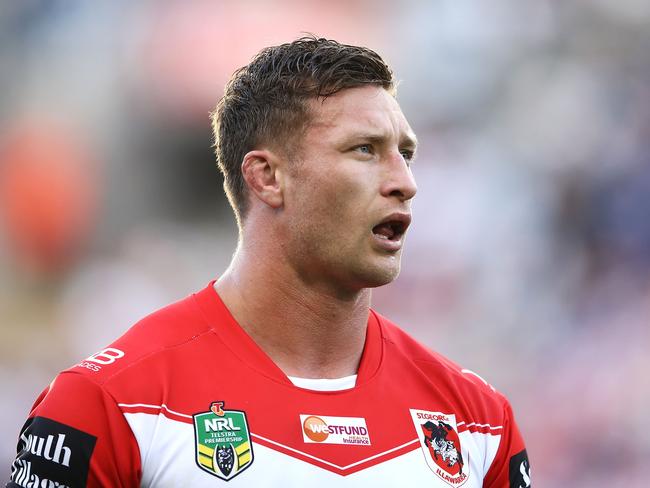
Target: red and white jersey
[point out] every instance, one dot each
(186, 398)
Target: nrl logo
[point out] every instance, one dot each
(223, 445)
(440, 444)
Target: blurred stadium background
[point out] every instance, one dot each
(529, 257)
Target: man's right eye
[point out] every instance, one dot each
(364, 148)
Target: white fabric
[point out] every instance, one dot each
(325, 384)
(168, 460)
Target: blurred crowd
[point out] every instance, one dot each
(529, 257)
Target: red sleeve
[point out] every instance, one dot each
(76, 436)
(510, 468)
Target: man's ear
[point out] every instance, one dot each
(264, 176)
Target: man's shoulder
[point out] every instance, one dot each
(161, 331)
(448, 376)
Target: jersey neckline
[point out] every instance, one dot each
(325, 384)
(241, 344)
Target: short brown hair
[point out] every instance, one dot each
(266, 100)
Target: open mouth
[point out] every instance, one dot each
(393, 227)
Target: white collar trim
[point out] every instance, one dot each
(325, 384)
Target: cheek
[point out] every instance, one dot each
(334, 206)
(321, 200)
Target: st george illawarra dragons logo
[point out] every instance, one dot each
(223, 445)
(441, 446)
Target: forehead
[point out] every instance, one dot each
(367, 109)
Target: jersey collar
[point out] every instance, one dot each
(241, 344)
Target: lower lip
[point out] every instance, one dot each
(387, 244)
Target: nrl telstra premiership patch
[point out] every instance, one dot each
(223, 443)
(438, 436)
(321, 429)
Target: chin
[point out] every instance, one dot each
(380, 276)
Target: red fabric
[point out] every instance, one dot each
(74, 400)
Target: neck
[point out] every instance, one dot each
(310, 330)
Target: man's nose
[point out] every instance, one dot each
(399, 181)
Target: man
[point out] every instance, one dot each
(278, 373)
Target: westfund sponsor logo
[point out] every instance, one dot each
(321, 429)
(520, 470)
(51, 454)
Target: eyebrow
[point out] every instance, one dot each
(408, 140)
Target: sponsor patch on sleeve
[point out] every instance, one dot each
(51, 454)
(520, 470)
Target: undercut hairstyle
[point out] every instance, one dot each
(266, 101)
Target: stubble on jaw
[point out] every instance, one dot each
(346, 270)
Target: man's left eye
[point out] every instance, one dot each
(407, 155)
